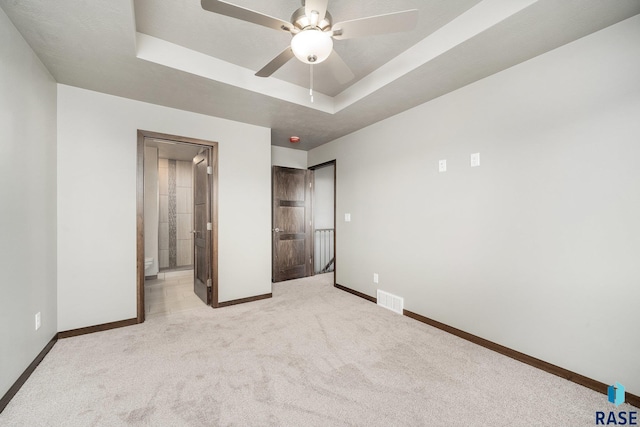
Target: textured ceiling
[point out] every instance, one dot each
(97, 45)
(253, 46)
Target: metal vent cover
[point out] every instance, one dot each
(390, 301)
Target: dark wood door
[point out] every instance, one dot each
(202, 270)
(291, 223)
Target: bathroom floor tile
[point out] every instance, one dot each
(171, 292)
(168, 275)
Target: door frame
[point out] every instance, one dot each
(142, 134)
(205, 153)
(335, 222)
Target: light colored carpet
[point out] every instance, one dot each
(310, 356)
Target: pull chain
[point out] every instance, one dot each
(311, 84)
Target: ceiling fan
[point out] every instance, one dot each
(313, 32)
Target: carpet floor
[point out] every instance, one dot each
(310, 356)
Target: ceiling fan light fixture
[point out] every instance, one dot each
(312, 46)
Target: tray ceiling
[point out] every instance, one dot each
(174, 53)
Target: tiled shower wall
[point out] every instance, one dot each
(175, 241)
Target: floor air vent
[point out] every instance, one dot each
(390, 301)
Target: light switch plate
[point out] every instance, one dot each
(442, 166)
(347, 217)
(475, 160)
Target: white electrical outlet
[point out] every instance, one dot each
(38, 321)
(375, 277)
(475, 160)
(442, 166)
(347, 217)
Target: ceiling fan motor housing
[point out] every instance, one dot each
(300, 20)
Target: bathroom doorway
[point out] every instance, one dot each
(167, 239)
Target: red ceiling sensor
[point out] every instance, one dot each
(294, 139)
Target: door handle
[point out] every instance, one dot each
(277, 230)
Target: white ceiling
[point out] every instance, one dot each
(252, 46)
(173, 53)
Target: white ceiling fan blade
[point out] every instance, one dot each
(319, 6)
(374, 25)
(339, 68)
(276, 63)
(233, 11)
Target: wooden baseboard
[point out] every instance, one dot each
(26, 374)
(356, 293)
(524, 358)
(598, 386)
(633, 400)
(243, 300)
(97, 328)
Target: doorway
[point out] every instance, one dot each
(303, 221)
(324, 218)
(176, 223)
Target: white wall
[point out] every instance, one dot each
(323, 203)
(288, 157)
(97, 214)
(538, 249)
(151, 209)
(323, 197)
(27, 204)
